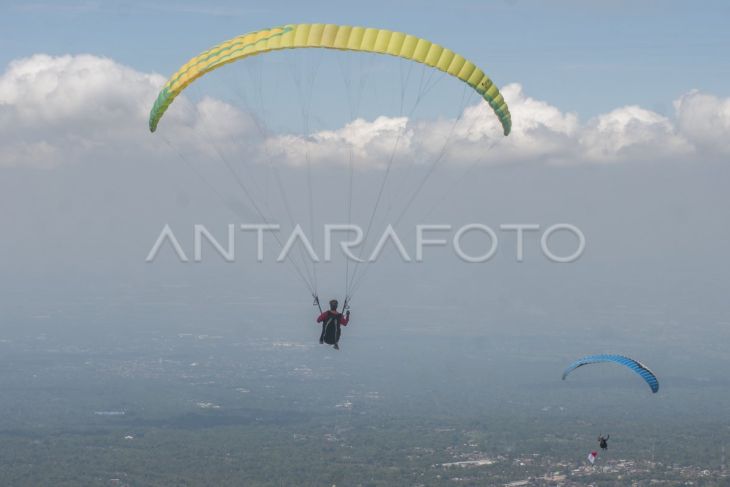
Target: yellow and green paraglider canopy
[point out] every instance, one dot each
(331, 36)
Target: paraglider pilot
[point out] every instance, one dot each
(603, 442)
(331, 321)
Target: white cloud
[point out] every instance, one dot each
(54, 90)
(540, 131)
(705, 120)
(66, 109)
(631, 133)
(59, 109)
(372, 143)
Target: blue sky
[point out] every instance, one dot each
(586, 59)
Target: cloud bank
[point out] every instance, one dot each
(68, 109)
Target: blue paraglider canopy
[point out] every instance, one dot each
(634, 365)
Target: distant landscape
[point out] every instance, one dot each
(245, 407)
